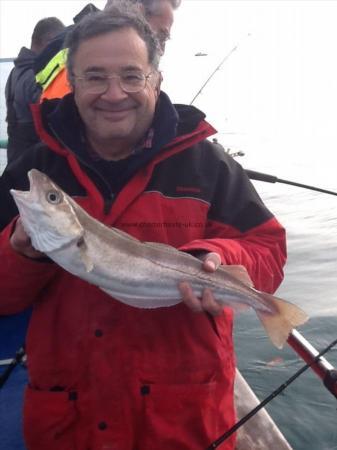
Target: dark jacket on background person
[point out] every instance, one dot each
(21, 90)
(103, 374)
(50, 64)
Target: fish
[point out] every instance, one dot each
(137, 273)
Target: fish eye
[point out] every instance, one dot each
(54, 197)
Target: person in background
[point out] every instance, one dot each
(104, 375)
(159, 14)
(50, 68)
(21, 89)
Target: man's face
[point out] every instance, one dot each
(161, 21)
(115, 117)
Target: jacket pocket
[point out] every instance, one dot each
(49, 419)
(187, 417)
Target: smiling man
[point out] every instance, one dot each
(104, 375)
(116, 89)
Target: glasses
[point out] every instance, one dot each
(98, 83)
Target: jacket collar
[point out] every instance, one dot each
(62, 122)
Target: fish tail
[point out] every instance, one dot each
(282, 320)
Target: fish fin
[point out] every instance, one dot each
(279, 323)
(238, 272)
(82, 246)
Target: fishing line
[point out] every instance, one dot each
(218, 67)
(270, 397)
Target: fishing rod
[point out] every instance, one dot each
(259, 176)
(218, 67)
(18, 359)
(311, 356)
(316, 360)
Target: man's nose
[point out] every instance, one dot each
(114, 90)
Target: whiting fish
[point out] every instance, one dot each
(140, 274)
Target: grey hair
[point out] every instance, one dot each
(151, 6)
(120, 16)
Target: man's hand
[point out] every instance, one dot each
(21, 242)
(211, 261)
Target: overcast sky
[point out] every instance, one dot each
(275, 97)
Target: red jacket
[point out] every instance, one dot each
(104, 375)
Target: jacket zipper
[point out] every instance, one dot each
(107, 202)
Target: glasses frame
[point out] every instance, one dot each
(107, 79)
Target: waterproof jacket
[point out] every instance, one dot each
(21, 90)
(104, 375)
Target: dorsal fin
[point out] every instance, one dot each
(240, 273)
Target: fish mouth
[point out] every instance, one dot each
(35, 178)
(21, 197)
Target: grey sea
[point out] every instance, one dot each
(305, 411)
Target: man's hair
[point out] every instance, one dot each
(45, 30)
(122, 15)
(151, 6)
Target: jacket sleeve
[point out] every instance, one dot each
(21, 279)
(241, 229)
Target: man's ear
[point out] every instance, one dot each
(158, 83)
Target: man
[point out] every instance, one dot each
(104, 375)
(158, 13)
(21, 88)
(51, 66)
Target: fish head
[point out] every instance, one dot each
(47, 214)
